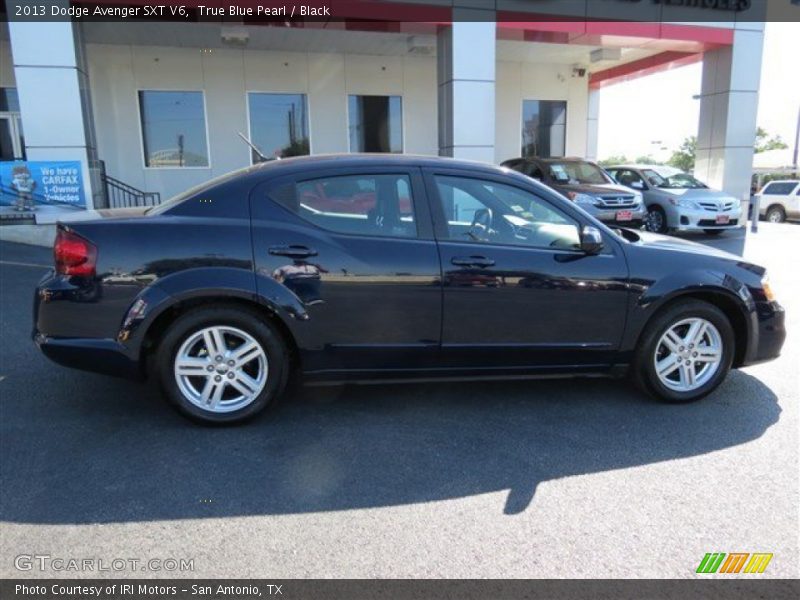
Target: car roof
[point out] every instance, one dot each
(783, 181)
(288, 166)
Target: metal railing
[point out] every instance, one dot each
(121, 195)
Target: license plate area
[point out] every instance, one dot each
(624, 215)
(723, 219)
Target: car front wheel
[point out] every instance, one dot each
(222, 365)
(685, 352)
(656, 221)
(776, 215)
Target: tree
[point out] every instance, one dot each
(611, 161)
(683, 158)
(647, 160)
(765, 143)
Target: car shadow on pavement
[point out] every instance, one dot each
(106, 451)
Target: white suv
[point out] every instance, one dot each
(780, 200)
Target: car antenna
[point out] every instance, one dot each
(255, 148)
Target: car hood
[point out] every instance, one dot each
(595, 190)
(663, 242)
(701, 194)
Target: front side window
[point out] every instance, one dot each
(278, 125)
(544, 128)
(486, 212)
(376, 123)
(173, 129)
(629, 178)
(379, 205)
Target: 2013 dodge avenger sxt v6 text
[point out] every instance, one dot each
(369, 268)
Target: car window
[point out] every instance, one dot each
(575, 172)
(379, 205)
(779, 188)
(629, 178)
(480, 211)
(534, 170)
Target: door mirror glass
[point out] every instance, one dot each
(591, 240)
(637, 185)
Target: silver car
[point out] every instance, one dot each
(676, 201)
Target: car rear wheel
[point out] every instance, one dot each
(776, 214)
(222, 365)
(656, 221)
(685, 352)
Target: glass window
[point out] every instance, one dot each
(482, 211)
(780, 188)
(629, 178)
(575, 172)
(9, 102)
(544, 128)
(173, 129)
(278, 124)
(359, 204)
(376, 123)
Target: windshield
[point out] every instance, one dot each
(574, 172)
(677, 181)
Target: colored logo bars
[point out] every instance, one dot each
(719, 562)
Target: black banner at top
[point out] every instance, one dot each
(297, 13)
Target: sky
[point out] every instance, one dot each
(669, 114)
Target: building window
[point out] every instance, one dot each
(8, 100)
(278, 125)
(544, 128)
(173, 129)
(376, 123)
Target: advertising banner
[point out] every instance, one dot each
(41, 186)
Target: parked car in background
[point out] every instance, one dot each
(779, 201)
(447, 269)
(588, 186)
(676, 201)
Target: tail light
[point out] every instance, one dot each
(74, 255)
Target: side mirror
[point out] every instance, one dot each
(638, 185)
(591, 240)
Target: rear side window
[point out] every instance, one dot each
(779, 188)
(379, 205)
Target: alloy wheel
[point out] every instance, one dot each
(221, 369)
(688, 355)
(775, 216)
(655, 221)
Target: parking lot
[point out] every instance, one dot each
(520, 480)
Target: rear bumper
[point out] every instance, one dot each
(769, 336)
(97, 355)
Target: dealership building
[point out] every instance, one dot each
(152, 108)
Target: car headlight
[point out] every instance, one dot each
(768, 293)
(582, 198)
(684, 203)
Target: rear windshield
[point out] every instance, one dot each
(193, 191)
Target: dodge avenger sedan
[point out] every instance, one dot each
(378, 267)
(676, 201)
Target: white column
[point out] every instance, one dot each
(466, 80)
(728, 111)
(53, 89)
(592, 124)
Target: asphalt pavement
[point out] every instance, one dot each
(572, 478)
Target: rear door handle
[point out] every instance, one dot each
(472, 261)
(292, 251)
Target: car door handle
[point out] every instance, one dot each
(472, 261)
(292, 251)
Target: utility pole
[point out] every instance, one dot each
(797, 141)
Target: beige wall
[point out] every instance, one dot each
(117, 72)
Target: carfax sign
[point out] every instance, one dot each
(25, 185)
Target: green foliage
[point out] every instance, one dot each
(611, 161)
(683, 158)
(765, 143)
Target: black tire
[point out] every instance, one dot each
(714, 231)
(643, 369)
(776, 214)
(659, 216)
(242, 319)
